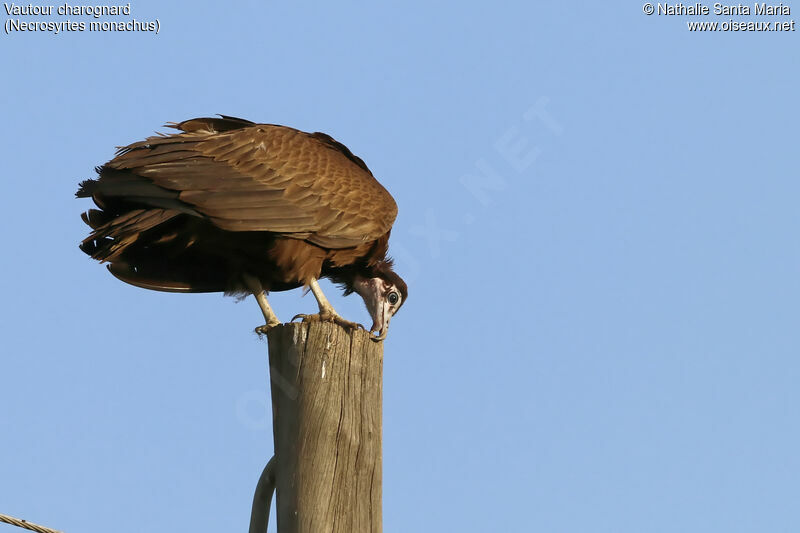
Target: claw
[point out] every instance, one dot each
(262, 330)
(378, 338)
(329, 317)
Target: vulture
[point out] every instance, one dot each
(228, 205)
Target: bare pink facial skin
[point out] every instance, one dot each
(382, 299)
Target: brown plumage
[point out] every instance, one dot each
(229, 205)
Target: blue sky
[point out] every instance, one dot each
(601, 336)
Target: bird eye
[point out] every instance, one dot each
(393, 297)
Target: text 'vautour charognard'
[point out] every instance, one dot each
(102, 18)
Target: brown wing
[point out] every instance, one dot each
(262, 177)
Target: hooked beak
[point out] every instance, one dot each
(374, 291)
(380, 322)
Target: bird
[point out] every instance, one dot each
(228, 205)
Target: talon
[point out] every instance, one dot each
(327, 316)
(378, 338)
(262, 330)
(347, 324)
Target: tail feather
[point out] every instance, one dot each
(94, 218)
(178, 278)
(86, 189)
(119, 190)
(108, 241)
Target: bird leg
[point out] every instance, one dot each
(269, 315)
(326, 311)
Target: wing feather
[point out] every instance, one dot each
(261, 177)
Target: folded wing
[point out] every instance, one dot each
(254, 177)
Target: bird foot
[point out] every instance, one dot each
(377, 338)
(262, 330)
(329, 316)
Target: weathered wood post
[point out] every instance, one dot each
(327, 405)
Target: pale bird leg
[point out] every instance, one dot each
(326, 310)
(269, 314)
(257, 289)
(325, 306)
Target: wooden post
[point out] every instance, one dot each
(327, 421)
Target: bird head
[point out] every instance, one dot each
(384, 292)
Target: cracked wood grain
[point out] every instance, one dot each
(326, 399)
